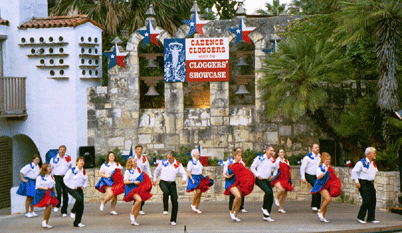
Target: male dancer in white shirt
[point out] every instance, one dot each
(60, 165)
(308, 170)
(168, 169)
(364, 174)
(143, 164)
(262, 168)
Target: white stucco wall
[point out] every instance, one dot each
(56, 108)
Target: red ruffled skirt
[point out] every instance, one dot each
(116, 182)
(244, 179)
(143, 189)
(284, 177)
(44, 198)
(333, 184)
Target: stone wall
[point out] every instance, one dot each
(387, 185)
(116, 120)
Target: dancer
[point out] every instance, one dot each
(76, 180)
(45, 193)
(168, 169)
(239, 182)
(197, 182)
(364, 174)
(111, 182)
(327, 184)
(143, 164)
(282, 180)
(60, 165)
(29, 173)
(262, 168)
(231, 197)
(308, 168)
(138, 188)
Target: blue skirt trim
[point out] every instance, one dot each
(229, 182)
(28, 188)
(129, 188)
(197, 180)
(319, 184)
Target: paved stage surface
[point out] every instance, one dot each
(214, 218)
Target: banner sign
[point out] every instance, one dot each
(174, 60)
(207, 59)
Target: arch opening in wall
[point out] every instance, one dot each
(196, 94)
(23, 150)
(151, 86)
(242, 72)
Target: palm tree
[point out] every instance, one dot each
(380, 20)
(295, 79)
(115, 15)
(275, 9)
(309, 7)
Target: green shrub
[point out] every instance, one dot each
(183, 155)
(387, 160)
(213, 161)
(294, 158)
(117, 153)
(249, 156)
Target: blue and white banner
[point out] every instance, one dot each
(175, 60)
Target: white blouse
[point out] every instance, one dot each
(194, 167)
(132, 174)
(46, 182)
(30, 171)
(318, 171)
(229, 162)
(76, 178)
(143, 163)
(110, 167)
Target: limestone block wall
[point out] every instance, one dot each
(116, 120)
(387, 185)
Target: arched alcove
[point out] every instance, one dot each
(151, 75)
(23, 150)
(242, 72)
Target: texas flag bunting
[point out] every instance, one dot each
(195, 25)
(116, 57)
(150, 34)
(242, 32)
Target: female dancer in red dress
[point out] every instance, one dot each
(282, 181)
(45, 193)
(111, 182)
(138, 188)
(327, 184)
(239, 182)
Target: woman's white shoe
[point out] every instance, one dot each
(232, 216)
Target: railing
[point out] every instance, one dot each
(12, 97)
